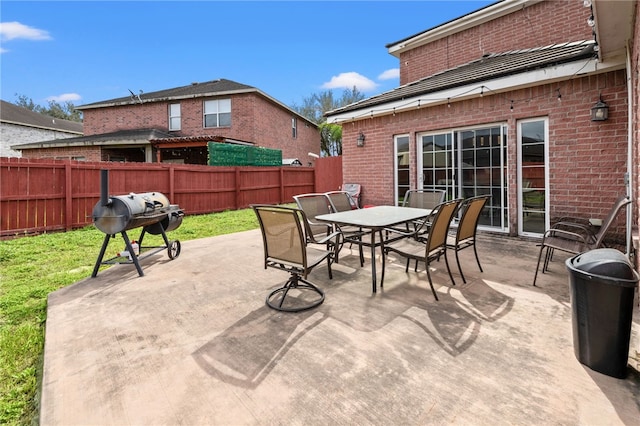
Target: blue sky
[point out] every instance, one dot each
(90, 51)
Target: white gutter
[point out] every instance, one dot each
(489, 87)
(629, 174)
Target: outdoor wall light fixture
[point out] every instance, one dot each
(361, 139)
(600, 111)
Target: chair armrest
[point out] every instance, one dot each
(420, 227)
(312, 239)
(567, 235)
(572, 219)
(586, 230)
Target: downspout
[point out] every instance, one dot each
(629, 174)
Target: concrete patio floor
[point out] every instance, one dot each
(192, 343)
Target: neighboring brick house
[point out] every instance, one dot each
(176, 124)
(499, 102)
(20, 125)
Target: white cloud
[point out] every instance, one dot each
(65, 97)
(14, 30)
(347, 80)
(390, 74)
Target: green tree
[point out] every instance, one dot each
(66, 110)
(330, 139)
(316, 105)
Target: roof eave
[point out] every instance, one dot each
(54, 129)
(474, 90)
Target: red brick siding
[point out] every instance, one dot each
(254, 119)
(584, 155)
(526, 28)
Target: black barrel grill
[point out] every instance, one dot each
(119, 214)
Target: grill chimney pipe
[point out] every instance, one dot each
(104, 188)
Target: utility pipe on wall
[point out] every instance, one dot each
(629, 174)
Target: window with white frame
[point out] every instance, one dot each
(217, 113)
(174, 117)
(294, 127)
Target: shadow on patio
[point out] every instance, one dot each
(192, 342)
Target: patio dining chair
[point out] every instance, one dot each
(286, 238)
(355, 191)
(427, 249)
(424, 198)
(574, 237)
(315, 204)
(465, 235)
(420, 199)
(340, 201)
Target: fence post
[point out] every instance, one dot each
(68, 197)
(281, 185)
(172, 182)
(238, 189)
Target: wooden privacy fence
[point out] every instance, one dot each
(48, 195)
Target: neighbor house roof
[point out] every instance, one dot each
(210, 88)
(14, 114)
(489, 66)
(121, 137)
(220, 87)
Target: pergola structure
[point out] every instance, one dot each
(192, 149)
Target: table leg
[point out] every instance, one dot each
(373, 259)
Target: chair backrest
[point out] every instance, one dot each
(423, 198)
(355, 190)
(340, 201)
(621, 202)
(283, 235)
(314, 204)
(440, 225)
(471, 209)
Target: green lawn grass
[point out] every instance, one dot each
(32, 267)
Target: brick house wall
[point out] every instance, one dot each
(580, 160)
(587, 160)
(543, 24)
(254, 119)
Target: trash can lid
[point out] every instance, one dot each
(606, 262)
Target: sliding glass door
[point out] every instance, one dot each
(468, 163)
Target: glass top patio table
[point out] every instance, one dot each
(375, 219)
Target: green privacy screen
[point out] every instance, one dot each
(223, 154)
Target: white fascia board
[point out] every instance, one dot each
(463, 23)
(488, 87)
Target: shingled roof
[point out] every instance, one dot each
(489, 66)
(209, 88)
(120, 137)
(14, 114)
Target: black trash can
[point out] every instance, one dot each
(603, 285)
